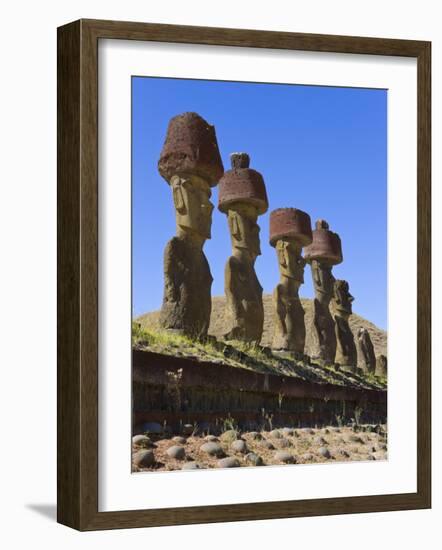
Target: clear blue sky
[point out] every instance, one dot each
(320, 149)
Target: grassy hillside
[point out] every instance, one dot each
(378, 336)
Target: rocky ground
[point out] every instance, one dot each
(233, 448)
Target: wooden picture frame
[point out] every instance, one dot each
(78, 274)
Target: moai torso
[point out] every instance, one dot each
(289, 326)
(290, 230)
(381, 366)
(366, 356)
(191, 164)
(242, 196)
(244, 315)
(324, 252)
(187, 285)
(346, 355)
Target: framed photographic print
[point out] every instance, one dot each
(243, 274)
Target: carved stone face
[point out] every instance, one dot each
(291, 263)
(193, 208)
(244, 229)
(323, 281)
(342, 298)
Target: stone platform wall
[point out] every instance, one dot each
(176, 391)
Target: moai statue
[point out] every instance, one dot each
(190, 162)
(381, 366)
(346, 355)
(290, 231)
(324, 252)
(366, 357)
(243, 197)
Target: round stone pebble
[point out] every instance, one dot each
(212, 448)
(141, 441)
(179, 439)
(211, 438)
(323, 451)
(275, 434)
(228, 462)
(143, 459)
(266, 444)
(177, 452)
(284, 457)
(253, 458)
(239, 446)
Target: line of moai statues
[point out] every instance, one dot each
(191, 163)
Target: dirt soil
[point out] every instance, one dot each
(302, 446)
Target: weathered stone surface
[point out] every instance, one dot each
(290, 223)
(283, 443)
(346, 354)
(325, 247)
(141, 441)
(276, 434)
(242, 184)
(187, 289)
(266, 444)
(324, 252)
(211, 438)
(144, 459)
(191, 163)
(323, 451)
(284, 457)
(254, 459)
(179, 439)
(239, 446)
(323, 334)
(242, 196)
(191, 147)
(228, 462)
(290, 230)
(381, 366)
(177, 452)
(212, 448)
(366, 356)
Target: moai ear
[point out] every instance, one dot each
(178, 199)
